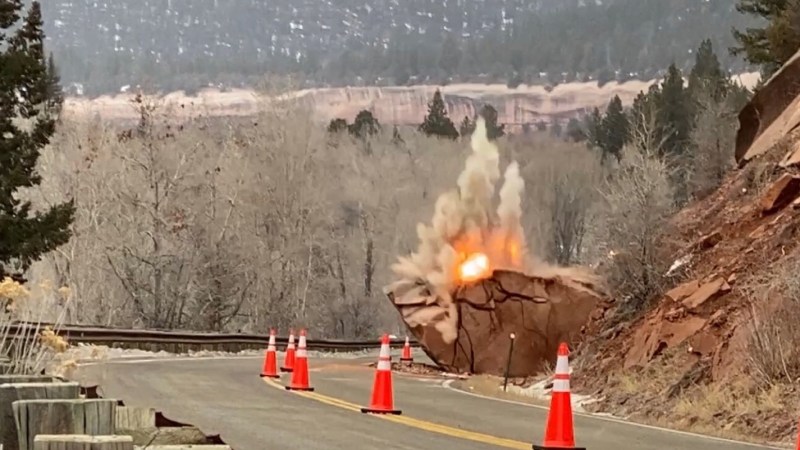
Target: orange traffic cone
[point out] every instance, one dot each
(798, 437)
(300, 372)
(270, 359)
(559, 433)
(288, 358)
(382, 402)
(406, 356)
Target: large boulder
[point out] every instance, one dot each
(541, 310)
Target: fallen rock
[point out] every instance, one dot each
(718, 318)
(682, 291)
(542, 311)
(658, 334)
(709, 241)
(781, 193)
(792, 158)
(703, 344)
(710, 290)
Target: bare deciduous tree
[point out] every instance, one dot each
(713, 137)
(637, 204)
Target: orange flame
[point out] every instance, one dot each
(474, 268)
(480, 255)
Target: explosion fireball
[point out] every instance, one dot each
(472, 280)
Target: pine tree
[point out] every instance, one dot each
(645, 131)
(26, 98)
(674, 113)
(575, 131)
(493, 130)
(467, 127)
(55, 94)
(773, 45)
(436, 122)
(337, 125)
(707, 75)
(614, 130)
(593, 126)
(365, 124)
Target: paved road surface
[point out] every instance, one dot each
(226, 396)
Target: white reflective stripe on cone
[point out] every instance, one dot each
(302, 342)
(384, 351)
(271, 348)
(272, 340)
(384, 364)
(301, 353)
(562, 365)
(561, 386)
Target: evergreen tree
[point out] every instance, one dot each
(28, 105)
(707, 75)
(674, 113)
(614, 130)
(493, 130)
(55, 94)
(593, 126)
(337, 125)
(436, 122)
(773, 45)
(575, 131)
(644, 110)
(365, 124)
(467, 127)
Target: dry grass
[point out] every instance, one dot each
(28, 350)
(773, 356)
(732, 409)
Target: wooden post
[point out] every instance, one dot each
(81, 442)
(5, 379)
(133, 418)
(9, 393)
(82, 416)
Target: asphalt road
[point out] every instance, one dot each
(226, 396)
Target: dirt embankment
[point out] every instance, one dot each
(398, 105)
(715, 353)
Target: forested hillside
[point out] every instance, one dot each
(183, 44)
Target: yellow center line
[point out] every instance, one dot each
(412, 422)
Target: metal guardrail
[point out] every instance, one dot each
(182, 340)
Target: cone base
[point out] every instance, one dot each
(396, 412)
(540, 447)
(264, 375)
(286, 369)
(406, 359)
(292, 388)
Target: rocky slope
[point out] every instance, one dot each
(716, 352)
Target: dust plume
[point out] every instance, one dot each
(465, 223)
(468, 239)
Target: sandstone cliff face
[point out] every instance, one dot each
(391, 105)
(515, 107)
(394, 105)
